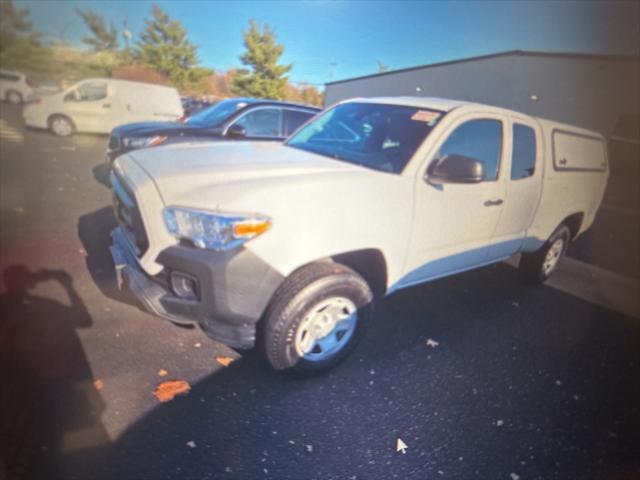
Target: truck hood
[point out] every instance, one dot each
(181, 169)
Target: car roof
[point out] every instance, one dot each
(12, 72)
(267, 101)
(432, 103)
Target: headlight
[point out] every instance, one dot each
(217, 231)
(142, 142)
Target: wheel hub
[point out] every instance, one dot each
(326, 328)
(553, 256)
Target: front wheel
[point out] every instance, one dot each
(14, 97)
(61, 125)
(537, 267)
(316, 318)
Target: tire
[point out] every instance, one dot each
(13, 97)
(61, 125)
(316, 318)
(536, 267)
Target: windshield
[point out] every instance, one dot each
(378, 136)
(216, 115)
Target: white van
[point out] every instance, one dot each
(98, 105)
(369, 197)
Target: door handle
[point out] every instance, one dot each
(493, 203)
(106, 105)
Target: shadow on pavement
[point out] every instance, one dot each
(49, 407)
(523, 380)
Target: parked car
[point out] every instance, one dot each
(15, 87)
(97, 105)
(372, 196)
(233, 119)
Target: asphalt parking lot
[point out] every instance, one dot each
(480, 376)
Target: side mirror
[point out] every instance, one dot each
(236, 131)
(70, 97)
(455, 169)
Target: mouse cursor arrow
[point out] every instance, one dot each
(401, 446)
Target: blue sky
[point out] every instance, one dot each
(333, 40)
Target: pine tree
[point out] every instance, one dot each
(265, 78)
(164, 46)
(20, 46)
(102, 38)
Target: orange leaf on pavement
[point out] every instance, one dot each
(162, 372)
(226, 361)
(98, 384)
(167, 390)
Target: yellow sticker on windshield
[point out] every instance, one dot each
(425, 116)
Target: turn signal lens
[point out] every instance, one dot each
(250, 229)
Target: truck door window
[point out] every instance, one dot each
(480, 139)
(262, 122)
(523, 158)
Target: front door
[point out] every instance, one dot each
(89, 107)
(454, 222)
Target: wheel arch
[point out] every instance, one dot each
(574, 223)
(369, 263)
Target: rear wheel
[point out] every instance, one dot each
(14, 97)
(61, 125)
(537, 267)
(316, 318)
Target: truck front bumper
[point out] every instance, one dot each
(232, 288)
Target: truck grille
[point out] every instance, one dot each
(128, 215)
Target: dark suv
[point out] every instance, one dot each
(232, 119)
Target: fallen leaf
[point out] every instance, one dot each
(98, 384)
(226, 361)
(162, 372)
(191, 444)
(167, 390)
(197, 345)
(432, 343)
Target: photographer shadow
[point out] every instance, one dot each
(50, 409)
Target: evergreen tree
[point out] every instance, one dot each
(102, 38)
(164, 46)
(265, 78)
(20, 46)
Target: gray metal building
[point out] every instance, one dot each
(599, 92)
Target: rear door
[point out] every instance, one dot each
(523, 172)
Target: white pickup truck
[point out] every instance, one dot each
(371, 196)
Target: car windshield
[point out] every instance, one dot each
(379, 136)
(216, 115)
